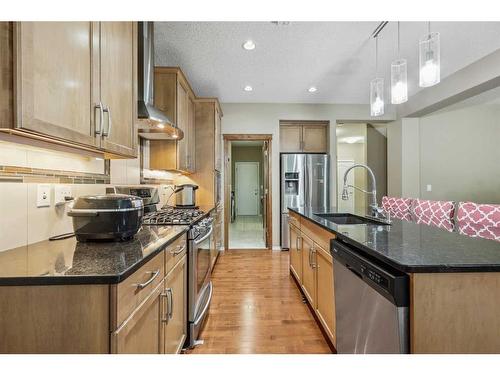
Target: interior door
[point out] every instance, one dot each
(118, 85)
(265, 192)
(55, 79)
(247, 188)
(345, 205)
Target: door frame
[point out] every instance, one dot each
(256, 163)
(228, 138)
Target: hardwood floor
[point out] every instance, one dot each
(257, 308)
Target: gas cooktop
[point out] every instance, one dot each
(173, 216)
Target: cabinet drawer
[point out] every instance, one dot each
(174, 252)
(321, 236)
(130, 293)
(294, 219)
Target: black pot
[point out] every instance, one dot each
(115, 217)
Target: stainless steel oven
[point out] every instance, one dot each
(199, 285)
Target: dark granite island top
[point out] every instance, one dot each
(412, 248)
(67, 261)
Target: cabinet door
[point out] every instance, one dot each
(290, 138)
(325, 292)
(141, 332)
(118, 86)
(176, 305)
(191, 149)
(183, 124)
(295, 253)
(308, 270)
(218, 141)
(54, 80)
(315, 138)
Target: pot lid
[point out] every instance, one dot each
(108, 202)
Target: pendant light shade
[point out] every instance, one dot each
(377, 89)
(377, 97)
(399, 78)
(430, 69)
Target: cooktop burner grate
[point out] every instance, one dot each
(172, 216)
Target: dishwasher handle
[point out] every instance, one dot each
(354, 271)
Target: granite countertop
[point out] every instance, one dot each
(70, 262)
(411, 247)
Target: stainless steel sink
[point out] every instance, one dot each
(350, 219)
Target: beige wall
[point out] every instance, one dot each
(376, 159)
(454, 150)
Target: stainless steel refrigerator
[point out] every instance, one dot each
(305, 181)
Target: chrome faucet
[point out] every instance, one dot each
(375, 210)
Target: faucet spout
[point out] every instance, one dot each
(373, 193)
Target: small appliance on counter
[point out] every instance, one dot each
(107, 217)
(185, 195)
(148, 194)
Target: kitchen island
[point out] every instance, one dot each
(454, 280)
(96, 297)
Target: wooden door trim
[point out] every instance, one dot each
(228, 138)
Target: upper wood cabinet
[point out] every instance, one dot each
(299, 137)
(174, 96)
(208, 148)
(75, 84)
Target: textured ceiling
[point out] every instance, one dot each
(336, 57)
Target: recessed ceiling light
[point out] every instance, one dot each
(312, 89)
(248, 88)
(249, 45)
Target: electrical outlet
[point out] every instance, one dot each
(60, 194)
(43, 195)
(429, 187)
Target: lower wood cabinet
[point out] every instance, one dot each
(175, 314)
(312, 266)
(141, 333)
(325, 303)
(295, 254)
(308, 281)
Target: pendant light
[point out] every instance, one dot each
(430, 69)
(399, 78)
(376, 89)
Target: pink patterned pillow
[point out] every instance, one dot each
(436, 213)
(479, 220)
(398, 207)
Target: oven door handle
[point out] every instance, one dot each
(207, 305)
(205, 236)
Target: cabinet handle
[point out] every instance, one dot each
(309, 257)
(98, 106)
(170, 294)
(145, 284)
(107, 132)
(313, 253)
(177, 252)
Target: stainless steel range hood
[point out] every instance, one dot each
(153, 123)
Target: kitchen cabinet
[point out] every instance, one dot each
(295, 253)
(174, 96)
(312, 267)
(325, 306)
(308, 281)
(175, 314)
(208, 150)
(308, 137)
(75, 84)
(141, 332)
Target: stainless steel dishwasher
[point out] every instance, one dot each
(371, 304)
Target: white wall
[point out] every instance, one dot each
(264, 119)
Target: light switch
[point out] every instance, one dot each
(429, 187)
(43, 195)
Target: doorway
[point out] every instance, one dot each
(361, 143)
(247, 197)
